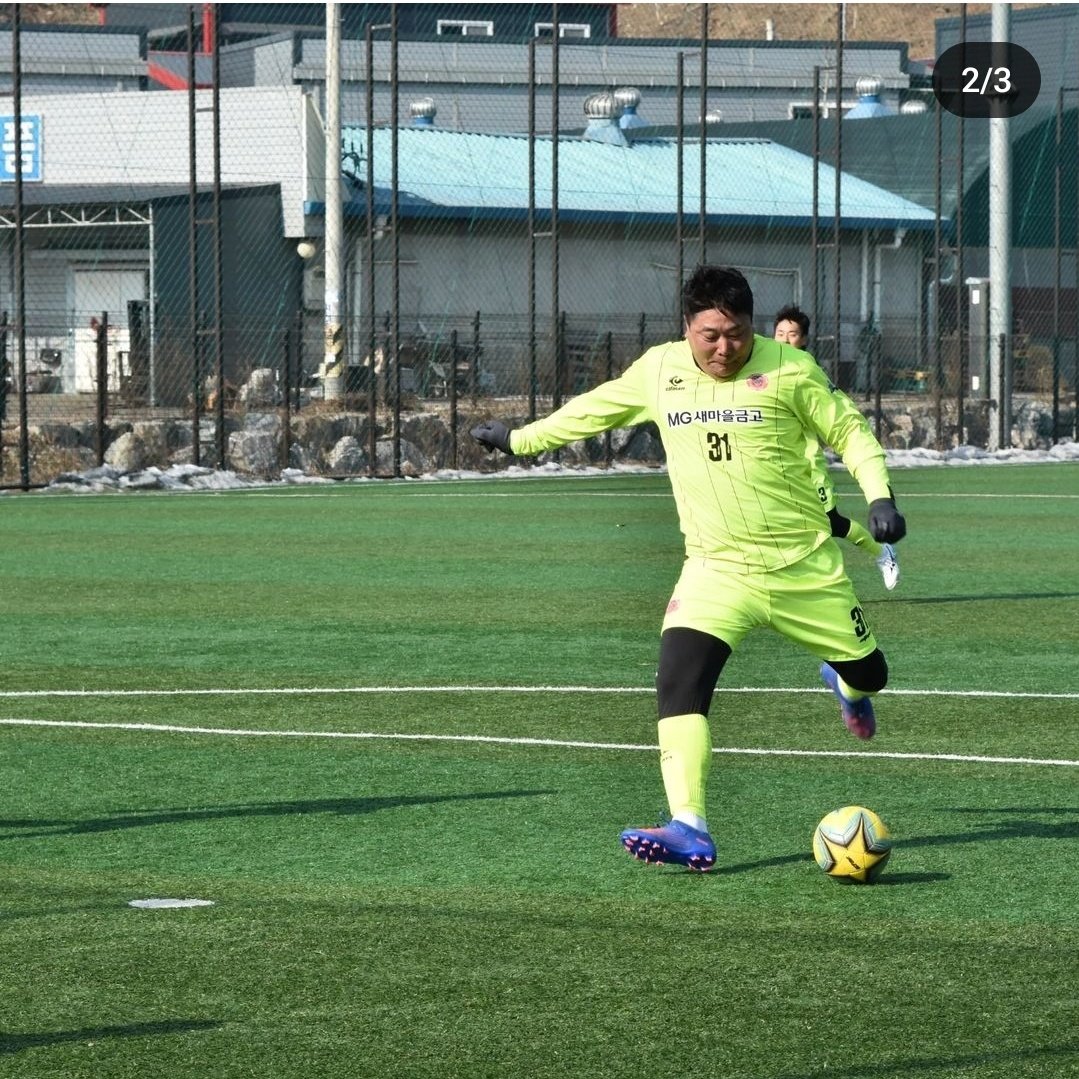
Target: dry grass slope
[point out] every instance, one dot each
(913, 23)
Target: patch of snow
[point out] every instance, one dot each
(198, 478)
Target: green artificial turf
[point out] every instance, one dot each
(392, 906)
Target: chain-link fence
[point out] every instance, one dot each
(519, 205)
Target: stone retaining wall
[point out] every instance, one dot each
(336, 443)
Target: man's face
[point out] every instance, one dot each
(720, 343)
(790, 333)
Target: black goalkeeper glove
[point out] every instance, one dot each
(886, 524)
(492, 435)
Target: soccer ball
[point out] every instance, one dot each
(852, 845)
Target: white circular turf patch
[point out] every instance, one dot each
(159, 904)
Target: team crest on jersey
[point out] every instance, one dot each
(673, 605)
(757, 382)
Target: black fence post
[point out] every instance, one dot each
(473, 376)
(286, 398)
(559, 359)
(642, 329)
(452, 390)
(293, 388)
(196, 391)
(4, 368)
(372, 394)
(1002, 389)
(961, 384)
(876, 351)
(609, 345)
(102, 388)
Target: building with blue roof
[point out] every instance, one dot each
(766, 184)
(463, 201)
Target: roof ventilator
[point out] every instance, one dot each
(603, 112)
(423, 111)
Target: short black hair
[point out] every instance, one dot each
(792, 313)
(721, 288)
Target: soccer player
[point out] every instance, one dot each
(733, 409)
(792, 328)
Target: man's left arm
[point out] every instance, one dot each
(837, 422)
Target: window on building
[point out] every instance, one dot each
(803, 110)
(565, 29)
(465, 28)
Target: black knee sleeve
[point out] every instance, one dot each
(690, 663)
(868, 674)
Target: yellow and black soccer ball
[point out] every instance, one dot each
(852, 845)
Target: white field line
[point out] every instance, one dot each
(169, 728)
(905, 497)
(330, 690)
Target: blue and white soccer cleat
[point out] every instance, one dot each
(857, 715)
(676, 843)
(888, 564)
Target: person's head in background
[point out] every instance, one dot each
(792, 326)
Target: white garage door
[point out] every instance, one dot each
(106, 288)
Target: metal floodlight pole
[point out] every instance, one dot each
(532, 230)
(837, 234)
(703, 220)
(814, 235)
(333, 374)
(20, 252)
(960, 268)
(195, 337)
(369, 246)
(1000, 230)
(1075, 310)
(395, 243)
(680, 186)
(555, 128)
(1058, 245)
(938, 370)
(218, 268)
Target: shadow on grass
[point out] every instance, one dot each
(1055, 1057)
(16, 1043)
(1015, 829)
(341, 806)
(910, 878)
(57, 912)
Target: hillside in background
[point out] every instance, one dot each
(912, 23)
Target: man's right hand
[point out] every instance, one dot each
(492, 435)
(886, 523)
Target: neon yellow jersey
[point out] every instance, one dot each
(822, 480)
(818, 472)
(735, 448)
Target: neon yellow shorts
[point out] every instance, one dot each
(812, 603)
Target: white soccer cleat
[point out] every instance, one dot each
(888, 565)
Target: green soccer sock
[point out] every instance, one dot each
(860, 537)
(850, 692)
(685, 755)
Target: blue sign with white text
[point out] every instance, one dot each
(29, 148)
